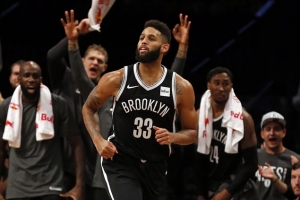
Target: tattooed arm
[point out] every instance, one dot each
(108, 86)
(187, 114)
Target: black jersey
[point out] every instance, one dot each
(221, 164)
(138, 107)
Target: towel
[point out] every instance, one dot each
(97, 12)
(232, 119)
(44, 118)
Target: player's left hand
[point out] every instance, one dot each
(223, 195)
(163, 136)
(75, 193)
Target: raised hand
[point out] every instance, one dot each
(181, 32)
(267, 172)
(70, 26)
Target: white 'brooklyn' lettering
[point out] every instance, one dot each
(145, 104)
(220, 136)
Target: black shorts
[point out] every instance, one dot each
(135, 179)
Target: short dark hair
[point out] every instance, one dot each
(296, 165)
(218, 70)
(18, 62)
(161, 27)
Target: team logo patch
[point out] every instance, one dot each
(164, 91)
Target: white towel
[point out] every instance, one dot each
(97, 12)
(232, 119)
(44, 118)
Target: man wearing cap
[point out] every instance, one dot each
(274, 160)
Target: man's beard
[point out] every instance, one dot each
(30, 96)
(149, 57)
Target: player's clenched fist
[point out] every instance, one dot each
(163, 136)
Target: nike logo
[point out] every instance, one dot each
(77, 91)
(130, 87)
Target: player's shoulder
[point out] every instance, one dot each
(182, 82)
(113, 75)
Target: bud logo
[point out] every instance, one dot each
(44, 117)
(164, 91)
(237, 115)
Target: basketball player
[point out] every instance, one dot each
(223, 175)
(82, 77)
(146, 97)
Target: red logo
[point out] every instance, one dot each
(206, 122)
(8, 123)
(238, 115)
(44, 117)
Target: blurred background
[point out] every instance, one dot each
(258, 40)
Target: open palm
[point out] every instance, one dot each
(70, 26)
(267, 172)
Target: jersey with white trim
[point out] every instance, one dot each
(138, 107)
